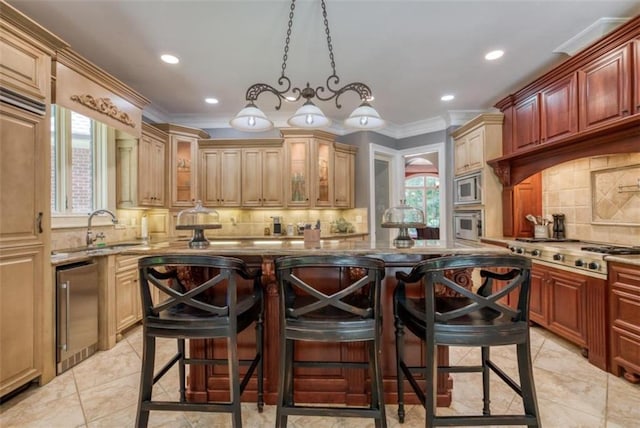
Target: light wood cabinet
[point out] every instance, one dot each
(474, 142)
(604, 86)
(559, 109)
(344, 165)
(469, 152)
(140, 166)
(220, 177)
(319, 172)
(624, 320)
(182, 162)
(262, 177)
(127, 288)
(27, 334)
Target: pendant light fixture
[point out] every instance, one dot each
(251, 118)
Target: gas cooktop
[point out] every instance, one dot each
(612, 249)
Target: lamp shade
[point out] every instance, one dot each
(309, 116)
(365, 117)
(251, 119)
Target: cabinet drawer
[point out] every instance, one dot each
(625, 311)
(124, 263)
(24, 68)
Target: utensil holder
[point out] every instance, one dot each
(311, 235)
(540, 231)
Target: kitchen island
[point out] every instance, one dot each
(349, 387)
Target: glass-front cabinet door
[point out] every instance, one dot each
(298, 164)
(323, 173)
(183, 189)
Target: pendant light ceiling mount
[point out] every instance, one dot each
(251, 118)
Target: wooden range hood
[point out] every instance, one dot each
(622, 136)
(613, 135)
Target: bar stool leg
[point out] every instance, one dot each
(181, 371)
(525, 371)
(486, 390)
(146, 379)
(260, 351)
(431, 396)
(377, 386)
(400, 374)
(285, 391)
(234, 380)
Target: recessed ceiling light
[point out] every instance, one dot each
(211, 100)
(290, 98)
(494, 55)
(447, 97)
(371, 98)
(169, 59)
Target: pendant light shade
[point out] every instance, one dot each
(309, 116)
(365, 117)
(251, 119)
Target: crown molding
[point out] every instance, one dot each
(590, 34)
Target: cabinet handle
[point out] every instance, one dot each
(625, 111)
(39, 222)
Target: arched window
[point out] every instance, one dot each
(423, 191)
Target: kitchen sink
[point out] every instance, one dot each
(95, 251)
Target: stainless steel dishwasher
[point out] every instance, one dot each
(77, 313)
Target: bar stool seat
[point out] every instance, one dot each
(466, 318)
(345, 309)
(208, 305)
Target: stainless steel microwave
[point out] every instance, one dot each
(468, 189)
(467, 225)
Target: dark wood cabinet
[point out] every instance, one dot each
(636, 75)
(573, 306)
(559, 109)
(526, 123)
(624, 315)
(518, 201)
(604, 86)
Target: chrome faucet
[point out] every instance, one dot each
(90, 238)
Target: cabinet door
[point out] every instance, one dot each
(21, 292)
(157, 172)
(126, 170)
(272, 177)
(209, 167)
(183, 178)
(343, 179)
(230, 179)
(460, 156)
(251, 178)
(559, 109)
(324, 173)
(527, 199)
(24, 184)
(538, 296)
(298, 172)
(605, 89)
(128, 308)
(567, 306)
(145, 167)
(475, 150)
(526, 125)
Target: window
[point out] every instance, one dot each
(423, 192)
(78, 163)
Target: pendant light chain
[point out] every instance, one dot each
(326, 30)
(288, 38)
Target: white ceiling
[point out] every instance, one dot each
(409, 52)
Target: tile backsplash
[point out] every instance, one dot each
(586, 191)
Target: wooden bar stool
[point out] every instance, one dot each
(347, 309)
(467, 318)
(209, 305)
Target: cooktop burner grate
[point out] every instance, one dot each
(613, 250)
(546, 240)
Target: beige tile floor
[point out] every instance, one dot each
(102, 392)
